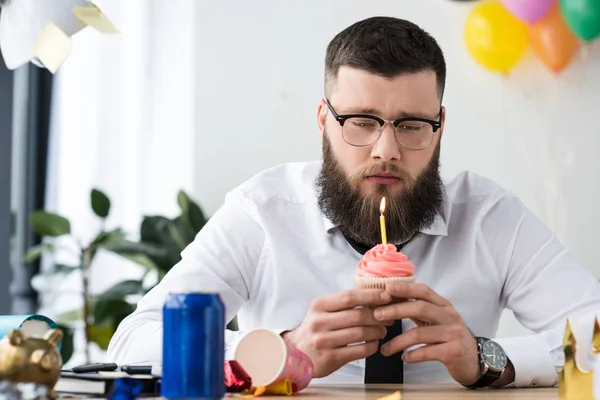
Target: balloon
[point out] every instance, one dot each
(583, 17)
(553, 41)
(529, 10)
(494, 37)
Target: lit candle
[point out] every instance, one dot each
(382, 222)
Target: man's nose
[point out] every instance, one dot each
(386, 148)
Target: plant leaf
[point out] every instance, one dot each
(100, 203)
(126, 246)
(183, 200)
(233, 324)
(49, 224)
(154, 229)
(36, 251)
(177, 235)
(101, 335)
(184, 230)
(122, 289)
(62, 269)
(70, 316)
(191, 212)
(111, 311)
(105, 238)
(196, 216)
(68, 347)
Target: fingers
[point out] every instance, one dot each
(350, 299)
(423, 335)
(443, 352)
(418, 309)
(344, 355)
(344, 337)
(347, 318)
(418, 291)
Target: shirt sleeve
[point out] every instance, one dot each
(543, 286)
(223, 258)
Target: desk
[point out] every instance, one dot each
(417, 391)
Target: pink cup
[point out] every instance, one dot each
(269, 359)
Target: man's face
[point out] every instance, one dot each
(357, 91)
(359, 176)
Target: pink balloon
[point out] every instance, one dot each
(529, 10)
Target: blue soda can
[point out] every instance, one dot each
(193, 346)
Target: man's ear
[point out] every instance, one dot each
(443, 121)
(322, 111)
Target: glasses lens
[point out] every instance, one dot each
(415, 135)
(360, 131)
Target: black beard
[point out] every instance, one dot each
(357, 215)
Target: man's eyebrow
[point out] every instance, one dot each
(418, 115)
(352, 110)
(403, 114)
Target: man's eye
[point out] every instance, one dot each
(410, 127)
(363, 123)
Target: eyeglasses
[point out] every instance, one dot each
(362, 130)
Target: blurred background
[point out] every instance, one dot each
(132, 144)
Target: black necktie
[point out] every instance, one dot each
(379, 368)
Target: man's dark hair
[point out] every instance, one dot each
(385, 46)
(3, 3)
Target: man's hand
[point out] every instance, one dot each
(447, 339)
(333, 322)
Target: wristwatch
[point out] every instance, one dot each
(492, 360)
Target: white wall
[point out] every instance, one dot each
(259, 80)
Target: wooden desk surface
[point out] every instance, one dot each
(418, 391)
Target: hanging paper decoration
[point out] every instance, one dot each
(40, 31)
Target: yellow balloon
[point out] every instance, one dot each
(494, 37)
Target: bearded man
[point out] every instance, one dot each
(283, 249)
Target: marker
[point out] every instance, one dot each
(137, 369)
(94, 368)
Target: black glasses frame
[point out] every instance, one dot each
(342, 119)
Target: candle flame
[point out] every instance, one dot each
(382, 206)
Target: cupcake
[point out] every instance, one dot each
(381, 265)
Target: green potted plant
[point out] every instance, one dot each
(158, 249)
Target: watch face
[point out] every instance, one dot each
(493, 355)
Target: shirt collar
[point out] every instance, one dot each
(438, 228)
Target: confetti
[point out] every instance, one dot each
(394, 396)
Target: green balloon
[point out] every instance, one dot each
(583, 17)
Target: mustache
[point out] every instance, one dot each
(377, 169)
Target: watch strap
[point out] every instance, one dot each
(486, 379)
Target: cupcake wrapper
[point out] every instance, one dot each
(368, 282)
(363, 282)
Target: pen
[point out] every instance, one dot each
(137, 369)
(94, 367)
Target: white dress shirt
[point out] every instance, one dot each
(269, 251)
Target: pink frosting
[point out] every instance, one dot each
(384, 261)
